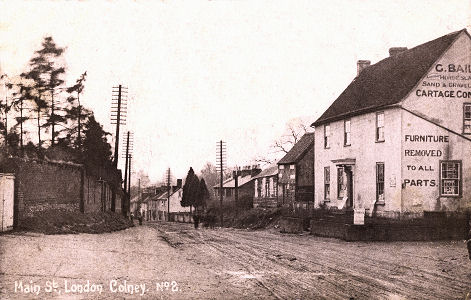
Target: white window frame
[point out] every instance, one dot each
(450, 180)
(379, 132)
(327, 135)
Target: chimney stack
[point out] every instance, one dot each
(362, 64)
(179, 183)
(396, 50)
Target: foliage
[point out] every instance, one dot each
(46, 74)
(96, 149)
(190, 189)
(203, 194)
(77, 113)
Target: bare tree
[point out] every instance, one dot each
(294, 130)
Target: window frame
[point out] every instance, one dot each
(267, 187)
(327, 137)
(466, 104)
(378, 183)
(377, 127)
(347, 141)
(460, 179)
(326, 183)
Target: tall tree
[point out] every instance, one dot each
(47, 74)
(75, 113)
(203, 195)
(96, 149)
(190, 189)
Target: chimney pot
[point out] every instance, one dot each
(396, 50)
(361, 65)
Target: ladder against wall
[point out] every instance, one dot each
(7, 195)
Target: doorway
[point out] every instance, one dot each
(349, 174)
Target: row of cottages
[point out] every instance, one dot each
(152, 203)
(289, 182)
(397, 141)
(243, 180)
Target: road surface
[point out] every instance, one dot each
(175, 261)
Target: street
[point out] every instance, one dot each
(175, 261)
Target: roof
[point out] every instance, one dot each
(230, 183)
(299, 149)
(272, 170)
(388, 81)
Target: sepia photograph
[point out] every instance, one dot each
(241, 149)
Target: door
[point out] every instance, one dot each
(349, 173)
(7, 185)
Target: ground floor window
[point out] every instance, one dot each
(267, 188)
(327, 183)
(380, 182)
(450, 178)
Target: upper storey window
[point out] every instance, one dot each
(346, 134)
(380, 127)
(327, 136)
(467, 118)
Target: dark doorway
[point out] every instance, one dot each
(349, 174)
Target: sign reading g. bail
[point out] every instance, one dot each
(447, 81)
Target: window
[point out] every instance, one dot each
(346, 134)
(267, 187)
(380, 127)
(341, 186)
(380, 182)
(467, 118)
(450, 178)
(327, 183)
(327, 136)
(275, 187)
(258, 187)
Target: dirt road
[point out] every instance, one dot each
(175, 261)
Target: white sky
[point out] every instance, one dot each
(201, 71)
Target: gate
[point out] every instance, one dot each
(7, 186)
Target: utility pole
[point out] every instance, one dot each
(220, 162)
(127, 171)
(118, 115)
(168, 193)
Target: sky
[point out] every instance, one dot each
(202, 71)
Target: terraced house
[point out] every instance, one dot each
(397, 141)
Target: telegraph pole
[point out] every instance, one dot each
(168, 193)
(129, 176)
(127, 170)
(118, 115)
(220, 162)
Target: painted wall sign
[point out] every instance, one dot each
(447, 81)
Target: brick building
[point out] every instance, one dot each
(397, 141)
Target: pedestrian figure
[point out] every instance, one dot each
(139, 217)
(132, 217)
(196, 219)
(468, 242)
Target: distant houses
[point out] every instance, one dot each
(243, 179)
(152, 203)
(290, 182)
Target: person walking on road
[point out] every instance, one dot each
(196, 219)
